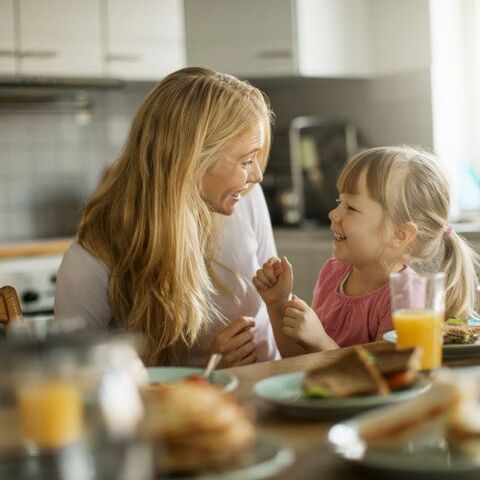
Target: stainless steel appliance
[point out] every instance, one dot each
(300, 180)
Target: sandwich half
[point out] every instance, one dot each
(361, 371)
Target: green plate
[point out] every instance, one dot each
(268, 459)
(449, 351)
(285, 393)
(224, 380)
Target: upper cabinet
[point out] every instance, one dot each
(246, 38)
(7, 38)
(323, 38)
(144, 40)
(127, 39)
(147, 39)
(58, 37)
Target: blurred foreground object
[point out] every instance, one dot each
(200, 427)
(70, 402)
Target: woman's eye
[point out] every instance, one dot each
(246, 163)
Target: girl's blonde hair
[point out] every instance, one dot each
(147, 220)
(411, 187)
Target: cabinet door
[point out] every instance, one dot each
(60, 37)
(7, 43)
(246, 38)
(334, 38)
(145, 40)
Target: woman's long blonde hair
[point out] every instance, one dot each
(411, 187)
(147, 220)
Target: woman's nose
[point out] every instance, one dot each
(255, 174)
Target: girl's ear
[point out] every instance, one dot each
(404, 234)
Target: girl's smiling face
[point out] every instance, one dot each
(358, 225)
(236, 168)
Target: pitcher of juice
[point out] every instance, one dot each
(418, 310)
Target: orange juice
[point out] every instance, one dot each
(420, 328)
(51, 413)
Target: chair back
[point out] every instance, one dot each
(9, 305)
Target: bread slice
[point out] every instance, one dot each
(351, 374)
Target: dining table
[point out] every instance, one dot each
(307, 437)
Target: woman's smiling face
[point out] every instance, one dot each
(236, 168)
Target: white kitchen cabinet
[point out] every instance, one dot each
(7, 38)
(327, 38)
(144, 40)
(59, 37)
(322, 38)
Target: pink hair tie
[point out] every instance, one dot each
(447, 232)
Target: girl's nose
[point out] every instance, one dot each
(334, 215)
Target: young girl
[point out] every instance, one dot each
(392, 214)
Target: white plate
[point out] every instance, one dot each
(224, 380)
(449, 350)
(285, 393)
(425, 458)
(268, 459)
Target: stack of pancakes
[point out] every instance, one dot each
(197, 427)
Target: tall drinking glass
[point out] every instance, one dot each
(418, 310)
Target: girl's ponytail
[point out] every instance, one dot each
(459, 261)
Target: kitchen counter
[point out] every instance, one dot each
(34, 248)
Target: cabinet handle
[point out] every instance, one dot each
(122, 57)
(37, 54)
(7, 53)
(272, 54)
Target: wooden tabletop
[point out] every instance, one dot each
(307, 437)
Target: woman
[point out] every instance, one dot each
(151, 254)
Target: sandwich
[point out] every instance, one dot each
(457, 332)
(376, 370)
(414, 418)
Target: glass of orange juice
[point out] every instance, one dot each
(418, 310)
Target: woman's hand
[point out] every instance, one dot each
(274, 281)
(301, 324)
(236, 343)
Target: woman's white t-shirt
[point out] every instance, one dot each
(245, 243)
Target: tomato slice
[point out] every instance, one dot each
(196, 379)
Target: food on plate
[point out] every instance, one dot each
(457, 331)
(413, 418)
(197, 427)
(449, 410)
(378, 369)
(196, 379)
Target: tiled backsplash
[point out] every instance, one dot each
(50, 159)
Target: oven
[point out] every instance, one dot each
(34, 278)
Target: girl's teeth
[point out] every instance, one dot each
(340, 237)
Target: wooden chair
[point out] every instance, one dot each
(9, 305)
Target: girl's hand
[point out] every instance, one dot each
(274, 281)
(236, 343)
(301, 323)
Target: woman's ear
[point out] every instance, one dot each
(404, 234)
